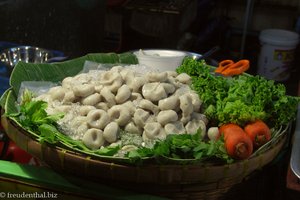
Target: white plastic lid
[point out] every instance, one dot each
(279, 37)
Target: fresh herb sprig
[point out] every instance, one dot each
(184, 146)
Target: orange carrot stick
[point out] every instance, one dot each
(223, 65)
(237, 143)
(259, 133)
(236, 68)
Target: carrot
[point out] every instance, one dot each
(230, 68)
(237, 143)
(237, 68)
(223, 65)
(259, 132)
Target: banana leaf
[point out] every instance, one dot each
(10, 103)
(3, 98)
(56, 72)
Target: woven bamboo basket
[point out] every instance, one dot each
(191, 181)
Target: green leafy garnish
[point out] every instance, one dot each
(240, 99)
(48, 133)
(26, 97)
(32, 115)
(108, 151)
(184, 146)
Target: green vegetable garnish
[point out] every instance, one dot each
(240, 99)
(184, 146)
(33, 115)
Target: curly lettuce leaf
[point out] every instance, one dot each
(240, 99)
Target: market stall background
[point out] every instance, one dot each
(80, 27)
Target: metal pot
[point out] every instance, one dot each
(10, 57)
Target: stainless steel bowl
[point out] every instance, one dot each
(10, 57)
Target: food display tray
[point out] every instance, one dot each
(172, 180)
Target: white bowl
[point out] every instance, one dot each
(162, 60)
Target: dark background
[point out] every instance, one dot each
(75, 27)
(78, 27)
